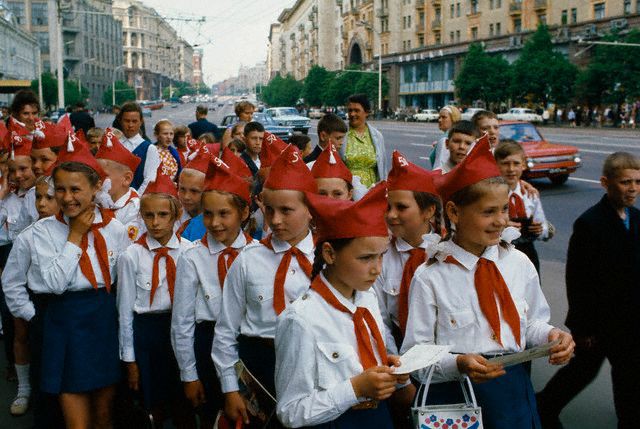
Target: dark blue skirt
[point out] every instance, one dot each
(207, 371)
(376, 418)
(259, 356)
(507, 402)
(80, 342)
(159, 375)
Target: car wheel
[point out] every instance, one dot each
(560, 179)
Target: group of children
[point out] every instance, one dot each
(287, 275)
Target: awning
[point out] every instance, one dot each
(9, 86)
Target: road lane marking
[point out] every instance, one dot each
(580, 179)
(421, 144)
(412, 135)
(606, 152)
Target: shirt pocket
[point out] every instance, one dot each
(336, 363)
(456, 327)
(260, 300)
(392, 286)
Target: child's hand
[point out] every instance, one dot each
(514, 224)
(394, 361)
(235, 408)
(478, 368)
(133, 376)
(377, 383)
(561, 353)
(80, 225)
(194, 391)
(535, 228)
(529, 190)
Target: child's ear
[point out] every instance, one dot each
(128, 177)
(452, 211)
(328, 254)
(322, 136)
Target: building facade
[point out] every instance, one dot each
(154, 56)
(91, 39)
(423, 42)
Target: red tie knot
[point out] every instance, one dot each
(162, 251)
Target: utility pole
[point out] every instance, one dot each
(59, 64)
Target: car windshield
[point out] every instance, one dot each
(263, 119)
(288, 112)
(520, 133)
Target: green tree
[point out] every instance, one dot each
(49, 90)
(482, 77)
(368, 84)
(123, 93)
(540, 74)
(282, 91)
(313, 85)
(340, 86)
(612, 73)
(71, 93)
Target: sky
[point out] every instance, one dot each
(235, 33)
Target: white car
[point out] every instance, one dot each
(289, 117)
(520, 114)
(468, 114)
(426, 115)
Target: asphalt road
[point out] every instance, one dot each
(593, 408)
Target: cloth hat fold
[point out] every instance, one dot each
(162, 185)
(406, 176)
(235, 163)
(347, 219)
(199, 160)
(289, 172)
(329, 165)
(113, 150)
(77, 151)
(272, 147)
(220, 177)
(53, 136)
(478, 165)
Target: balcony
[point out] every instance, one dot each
(382, 12)
(419, 4)
(540, 4)
(515, 8)
(436, 3)
(436, 24)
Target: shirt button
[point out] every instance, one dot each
(148, 284)
(291, 301)
(305, 296)
(206, 297)
(260, 298)
(493, 337)
(453, 322)
(293, 271)
(335, 355)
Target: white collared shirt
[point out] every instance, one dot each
(28, 212)
(317, 355)
(197, 298)
(387, 285)
(533, 207)
(247, 301)
(57, 259)
(126, 210)
(15, 276)
(152, 162)
(10, 221)
(444, 306)
(135, 268)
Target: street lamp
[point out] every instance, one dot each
(113, 85)
(81, 72)
(368, 26)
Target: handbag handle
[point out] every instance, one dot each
(465, 384)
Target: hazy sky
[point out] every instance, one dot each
(235, 32)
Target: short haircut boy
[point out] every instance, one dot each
(507, 148)
(463, 127)
(331, 123)
(253, 126)
(619, 161)
(202, 110)
(300, 141)
(482, 114)
(95, 133)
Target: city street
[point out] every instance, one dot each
(594, 407)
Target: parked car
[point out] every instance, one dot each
(521, 114)
(315, 113)
(289, 117)
(267, 121)
(468, 114)
(544, 159)
(146, 112)
(426, 115)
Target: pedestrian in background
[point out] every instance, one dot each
(202, 125)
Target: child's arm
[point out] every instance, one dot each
(540, 218)
(127, 270)
(183, 318)
(14, 279)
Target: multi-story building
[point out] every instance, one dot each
(197, 66)
(308, 33)
(151, 60)
(250, 77)
(423, 42)
(19, 53)
(91, 39)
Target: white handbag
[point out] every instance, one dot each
(467, 415)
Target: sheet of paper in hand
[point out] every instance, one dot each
(261, 405)
(420, 356)
(525, 356)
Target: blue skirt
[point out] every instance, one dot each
(376, 418)
(259, 356)
(80, 342)
(207, 371)
(507, 401)
(159, 376)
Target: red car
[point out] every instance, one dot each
(544, 159)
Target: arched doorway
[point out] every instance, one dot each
(355, 57)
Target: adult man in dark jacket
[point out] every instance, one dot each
(81, 119)
(202, 125)
(603, 289)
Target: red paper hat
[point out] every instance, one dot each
(76, 151)
(65, 123)
(221, 178)
(328, 165)
(289, 172)
(199, 160)
(19, 145)
(194, 145)
(347, 219)
(478, 165)
(3, 131)
(237, 165)
(14, 129)
(113, 150)
(54, 136)
(162, 185)
(272, 147)
(406, 176)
